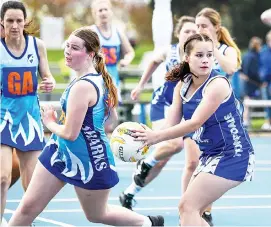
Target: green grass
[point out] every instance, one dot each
(140, 50)
(55, 55)
(257, 123)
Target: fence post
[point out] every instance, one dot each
(142, 117)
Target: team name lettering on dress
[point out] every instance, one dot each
(238, 148)
(97, 148)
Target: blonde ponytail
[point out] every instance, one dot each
(225, 37)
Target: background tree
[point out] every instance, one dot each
(241, 17)
(247, 23)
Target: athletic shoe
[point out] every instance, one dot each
(157, 220)
(126, 200)
(207, 216)
(141, 173)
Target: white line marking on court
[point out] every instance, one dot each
(161, 208)
(157, 198)
(260, 162)
(259, 169)
(8, 211)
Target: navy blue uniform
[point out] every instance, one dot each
(163, 96)
(224, 142)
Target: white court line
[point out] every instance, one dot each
(260, 162)
(158, 198)
(214, 208)
(161, 208)
(259, 169)
(8, 211)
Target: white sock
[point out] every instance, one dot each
(132, 189)
(150, 160)
(4, 223)
(147, 222)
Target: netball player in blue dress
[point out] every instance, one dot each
(113, 40)
(78, 151)
(162, 99)
(23, 57)
(206, 101)
(227, 60)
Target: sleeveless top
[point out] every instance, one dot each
(87, 161)
(20, 123)
(223, 131)
(111, 49)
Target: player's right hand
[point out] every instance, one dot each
(136, 92)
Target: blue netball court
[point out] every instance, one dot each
(246, 205)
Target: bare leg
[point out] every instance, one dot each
(192, 154)
(42, 188)
(155, 171)
(163, 152)
(94, 204)
(6, 167)
(28, 161)
(15, 174)
(195, 200)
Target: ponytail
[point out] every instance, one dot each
(111, 99)
(224, 36)
(179, 72)
(30, 29)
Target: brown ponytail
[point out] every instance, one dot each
(179, 72)
(111, 90)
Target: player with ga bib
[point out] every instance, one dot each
(22, 58)
(113, 40)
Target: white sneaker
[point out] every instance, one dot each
(266, 126)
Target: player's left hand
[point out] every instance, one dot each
(47, 85)
(148, 137)
(48, 114)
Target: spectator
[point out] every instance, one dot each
(249, 73)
